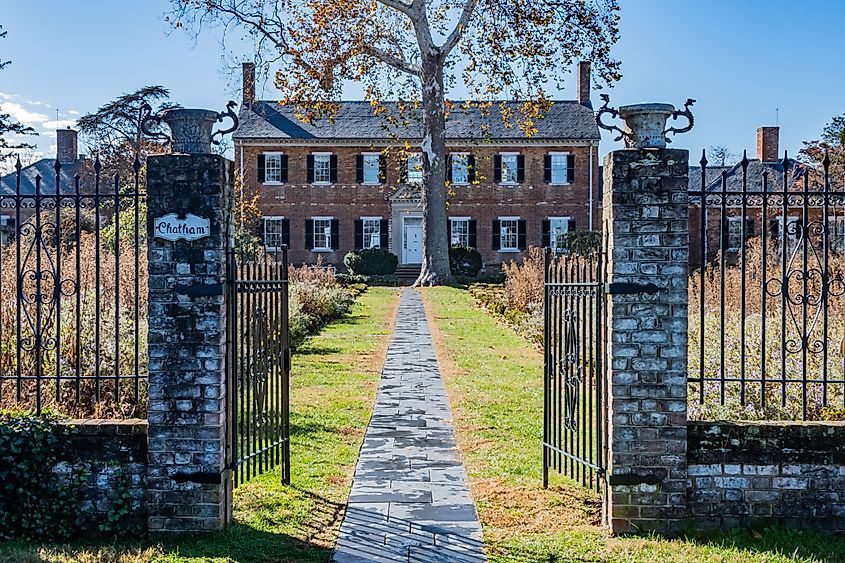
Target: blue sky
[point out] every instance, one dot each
(747, 62)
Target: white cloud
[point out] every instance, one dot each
(72, 112)
(24, 115)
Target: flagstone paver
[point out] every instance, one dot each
(410, 500)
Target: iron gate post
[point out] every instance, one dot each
(188, 232)
(645, 221)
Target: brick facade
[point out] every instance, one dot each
(533, 200)
(645, 219)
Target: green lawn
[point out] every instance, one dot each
(494, 381)
(334, 379)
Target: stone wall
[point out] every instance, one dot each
(761, 473)
(109, 458)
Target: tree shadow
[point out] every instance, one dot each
(317, 350)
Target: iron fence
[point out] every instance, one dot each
(766, 300)
(73, 291)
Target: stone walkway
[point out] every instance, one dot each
(409, 499)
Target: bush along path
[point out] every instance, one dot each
(410, 500)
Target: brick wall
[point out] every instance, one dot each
(760, 473)
(112, 457)
(347, 201)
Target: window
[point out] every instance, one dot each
(274, 233)
(510, 167)
(836, 230)
(460, 231)
(372, 232)
(272, 168)
(322, 169)
(509, 234)
(460, 168)
(415, 168)
(372, 165)
(558, 227)
(559, 168)
(322, 233)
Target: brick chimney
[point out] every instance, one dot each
(584, 83)
(767, 144)
(249, 83)
(67, 149)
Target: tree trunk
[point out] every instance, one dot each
(435, 261)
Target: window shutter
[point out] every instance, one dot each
(497, 169)
(473, 242)
(725, 242)
(774, 229)
(570, 225)
(310, 169)
(384, 234)
(520, 168)
(449, 175)
(449, 232)
(570, 168)
(359, 168)
(403, 170)
(309, 234)
(333, 169)
(382, 168)
(547, 232)
(497, 235)
(335, 233)
(284, 168)
(547, 169)
(471, 168)
(749, 227)
(261, 164)
(286, 232)
(359, 234)
(520, 235)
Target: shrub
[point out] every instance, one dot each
(349, 280)
(371, 262)
(316, 297)
(582, 243)
(464, 261)
(524, 282)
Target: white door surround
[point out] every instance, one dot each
(412, 234)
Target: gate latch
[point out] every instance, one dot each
(627, 288)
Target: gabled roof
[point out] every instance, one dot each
(46, 169)
(754, 177)
(567, 120)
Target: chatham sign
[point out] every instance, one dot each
(171, 228)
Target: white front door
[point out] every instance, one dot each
(412, 233)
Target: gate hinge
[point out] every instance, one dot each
(631, 479)
(627, 288)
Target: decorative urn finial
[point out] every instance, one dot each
(645, 124)
(191, 129)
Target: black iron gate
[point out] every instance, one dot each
(259, 364)
(574, 430)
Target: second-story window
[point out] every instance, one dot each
(322, 169)
(273, 168)
(371, 169)
(415, 168)
(460, 168)
(510, 168)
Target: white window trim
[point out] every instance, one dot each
(264, 224)
(517, 219)
(408, 168)
(467, 219)
(466, 154)
(273, 182)
(378, 182)
(380, 227)
(502, 182)
(314, 234)
(321, 183)
(560, 153)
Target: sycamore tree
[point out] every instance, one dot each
(10, 128)
(417, 51)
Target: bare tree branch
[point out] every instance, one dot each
(396, 62)
(458, 32)
(400, 6)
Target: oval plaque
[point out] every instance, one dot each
(171, 228)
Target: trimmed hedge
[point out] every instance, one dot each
(464, 261)
(371, 262)
(355, 279)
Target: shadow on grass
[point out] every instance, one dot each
(317, 350)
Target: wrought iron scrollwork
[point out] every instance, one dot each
(230, 113)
